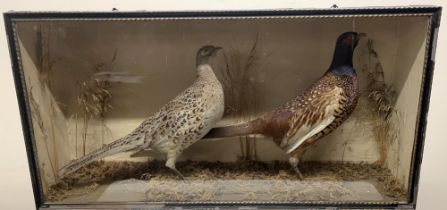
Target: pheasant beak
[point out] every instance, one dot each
(216, 49)
(361, 35)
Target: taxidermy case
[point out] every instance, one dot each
(84, 80)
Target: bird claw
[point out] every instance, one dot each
(179, 174)
(146, 176)
(298, 172)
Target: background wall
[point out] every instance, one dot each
(15, 181)
(292, 53)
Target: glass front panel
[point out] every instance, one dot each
(121, 109)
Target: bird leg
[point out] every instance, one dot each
(298, 172)
(170, 163)
(178, 173)
(294, 163)
(294, 159)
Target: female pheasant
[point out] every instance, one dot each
(315, 113)
(177, 125)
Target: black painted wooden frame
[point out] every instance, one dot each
(434, 12)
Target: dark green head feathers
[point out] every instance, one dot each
(344, 49)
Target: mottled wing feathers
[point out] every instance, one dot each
(315, 111)
(181, 121)
(174, 110)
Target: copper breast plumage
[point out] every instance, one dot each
(319, 110)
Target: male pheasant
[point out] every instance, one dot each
(313, 114)
(177, 125)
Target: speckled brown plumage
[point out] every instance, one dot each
(177, 125)
(313, 114)
(309, 108)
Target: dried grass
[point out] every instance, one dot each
(45, 63)
(37, 119)
(383, 97)
(197, 173)
(93, 101)
(239, 79)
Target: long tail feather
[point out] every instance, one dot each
(243, 129)
(120, 145)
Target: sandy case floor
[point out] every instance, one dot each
(216, 181)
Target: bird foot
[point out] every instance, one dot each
(298, 172)
(146, 176)
(180, 175)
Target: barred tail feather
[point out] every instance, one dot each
(120, 145)
(243, 129)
